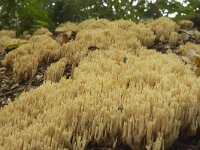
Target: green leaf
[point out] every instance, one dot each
(125, 59)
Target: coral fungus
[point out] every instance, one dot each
(151, 96)
(120, 91)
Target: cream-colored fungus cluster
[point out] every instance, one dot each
(8, 33)
(56, 70)
(43, 31)
(190, 53)
(25, 67)
(94, 34)
(42, 48)
(8, 38)
(120, 93)
(163, 28)
(186, 24)
(144, 101)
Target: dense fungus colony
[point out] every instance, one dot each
(163, 28)
(8, 33)
(186, 24)
(8, 38)
(41, 49)
(42, 31)
(56, 70)
(120, 93)
(25, 67)
(191, 54)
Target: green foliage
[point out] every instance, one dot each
(34, 16)
(7, 14)
(24, 15)
(29, 15)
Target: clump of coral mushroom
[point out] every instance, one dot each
(190, 53)
(8, 33)
(25, 67)
(43, 48)
(56, 70)
(144, 102)
(94, 35)
(163, 28)
(120, 93)
(42, 31)
(186, 24)
(8, 38)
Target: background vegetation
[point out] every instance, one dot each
(29, 15)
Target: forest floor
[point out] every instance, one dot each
(10, 91)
